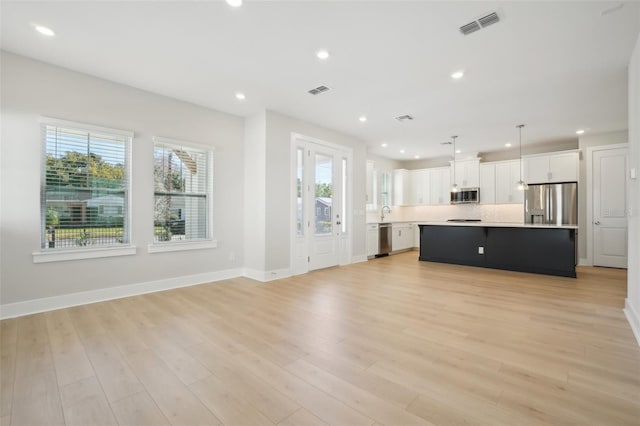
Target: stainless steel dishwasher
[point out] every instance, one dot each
(384, 239)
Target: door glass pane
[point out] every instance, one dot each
(299, 186)
(324, 194)
(343, 215)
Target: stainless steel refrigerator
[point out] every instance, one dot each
(552, 203)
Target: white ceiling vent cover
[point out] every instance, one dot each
(318, 90)
(403, 118)
(489, 19)
(470, 28)
(483, 22)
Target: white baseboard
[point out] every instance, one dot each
(633, 318)
(265, 276)
(583, 261)
(35, 306)
(358, 259)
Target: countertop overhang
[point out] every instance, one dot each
(499, 225)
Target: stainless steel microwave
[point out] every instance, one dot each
(466, 196)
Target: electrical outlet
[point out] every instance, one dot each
(480, 250)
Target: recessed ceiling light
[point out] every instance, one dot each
(458, 151)
(384, 145)
(507, 144)
(579, 132)
(402, 151)
(45, 30)
(363, 118)
(322, 54)
(234, 3)
(457, 75)
(416, 156)
(240, 96)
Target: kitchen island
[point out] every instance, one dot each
(542, 249)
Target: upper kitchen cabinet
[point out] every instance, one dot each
(487, 183)
(549, 168)
(467, 173)
(499, 183)
(371, 177)
(439, 186)
(507, 177)
(401, 187)
(420, 187)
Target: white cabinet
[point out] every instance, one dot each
(440, 186)
(507, 177)
(401, 187)
(402, 236)
(419, 187)
(487, 183)
(499, 183)
(372, 239)
(467, 173)
(548, 168)
(370, 185)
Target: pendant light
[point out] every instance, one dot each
(454, 187)
(521, 183)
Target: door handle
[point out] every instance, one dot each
(597, 222)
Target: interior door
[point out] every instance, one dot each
(609, 208)
(324, 204)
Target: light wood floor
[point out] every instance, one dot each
(392, 341)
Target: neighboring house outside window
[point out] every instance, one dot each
(85, 186)
(183, 184)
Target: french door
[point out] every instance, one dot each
(321, 202)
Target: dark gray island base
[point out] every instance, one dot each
(546, 250)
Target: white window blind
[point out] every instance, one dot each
(182, 191)
(85, 187)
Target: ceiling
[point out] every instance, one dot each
(555, 66)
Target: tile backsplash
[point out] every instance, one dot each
(512, 213)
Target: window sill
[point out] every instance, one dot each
(187, 245)
(62, 255)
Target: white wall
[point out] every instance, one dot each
(584, 142)
(31, 89)
(255, 165)
(278, 141)
(633, 286)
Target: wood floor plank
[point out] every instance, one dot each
(357, 398)
(8, 347)
(302, 417)
(226, 406)
(321, 404)
(36, 398)
(115, 376)
(138, 410)
(69, 357)
(84, 403)
(173, 398)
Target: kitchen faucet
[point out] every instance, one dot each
(382, 212)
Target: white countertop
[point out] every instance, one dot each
(499, 224)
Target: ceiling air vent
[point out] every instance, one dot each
(404, 118)
(480, 23)
(470, 28)
(489, 19)
(318, 90)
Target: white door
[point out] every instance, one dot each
(321, 202)
(609, 208)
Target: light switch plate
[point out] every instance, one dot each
(480, 250)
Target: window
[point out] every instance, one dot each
(182, 192)
(85, 186)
